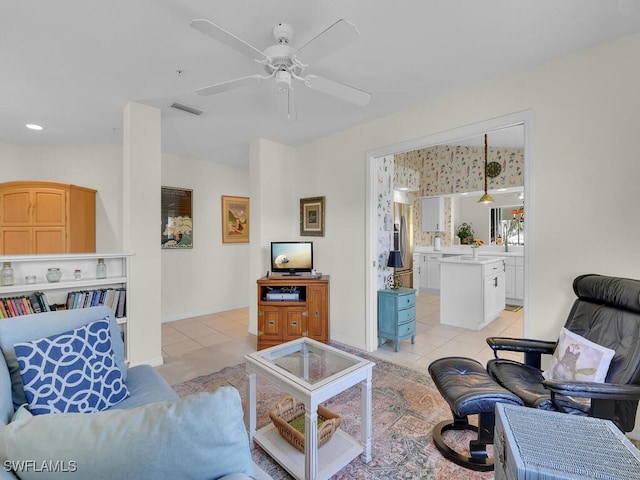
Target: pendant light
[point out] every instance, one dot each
(486, 198)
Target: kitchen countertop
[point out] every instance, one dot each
(471, 260)
(486, 250)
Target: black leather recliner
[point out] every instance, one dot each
(607, 312)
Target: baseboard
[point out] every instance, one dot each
(154, 362)
(199, 313)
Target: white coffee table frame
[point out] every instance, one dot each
(342, 448)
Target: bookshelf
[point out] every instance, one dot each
(58, 292)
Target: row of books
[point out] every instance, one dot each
(36, 302)
(115, 298)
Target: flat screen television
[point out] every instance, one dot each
(291, 258)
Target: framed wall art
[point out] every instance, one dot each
(312, 216)
(177, 220)
(235, 219)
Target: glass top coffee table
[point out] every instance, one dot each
(312, 373)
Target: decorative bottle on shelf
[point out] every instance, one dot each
(53, 275)
(101, 269)
(6, 274)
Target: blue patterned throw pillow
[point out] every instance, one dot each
(74, 371)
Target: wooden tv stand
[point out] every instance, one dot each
(280, 321)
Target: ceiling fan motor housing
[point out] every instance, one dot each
(283, 32)
(279, 55)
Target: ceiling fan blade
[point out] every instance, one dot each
(328, 41)
(228, 38)
(287, 105)
(251, 80)
(339, 90)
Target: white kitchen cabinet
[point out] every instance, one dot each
(494, 295)
(514, 278)
(472, 291)
(432, 214)
(433, 271)
(519, 278)
(423, 271)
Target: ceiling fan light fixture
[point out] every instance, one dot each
(283, 81)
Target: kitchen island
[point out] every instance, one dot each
(426, 270)
(472, 290)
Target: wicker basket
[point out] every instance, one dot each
(288, 409)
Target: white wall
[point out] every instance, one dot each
(92, 166)
(212, 276)
(334, 168)
(273, 209)
(584, 146)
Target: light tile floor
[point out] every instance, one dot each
(201, 345)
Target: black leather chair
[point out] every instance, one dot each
(607, 312)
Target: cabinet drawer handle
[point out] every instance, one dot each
(317, 313)
(294, 323)
(271, 322)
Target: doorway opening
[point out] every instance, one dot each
(374, 224)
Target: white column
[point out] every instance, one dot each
(141, 167)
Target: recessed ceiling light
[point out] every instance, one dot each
(33, 126)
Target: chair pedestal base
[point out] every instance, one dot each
(479, 459)
(469, 390)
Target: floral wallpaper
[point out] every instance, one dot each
(447, 169)
(438, 170)
(384, 189)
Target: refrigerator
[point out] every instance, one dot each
(403, 240)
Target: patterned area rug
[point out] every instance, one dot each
(406, 406)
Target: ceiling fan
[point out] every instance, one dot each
(280, 62)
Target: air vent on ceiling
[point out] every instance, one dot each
(188, 109)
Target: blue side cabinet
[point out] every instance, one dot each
(396, 315)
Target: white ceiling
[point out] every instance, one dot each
(71, 65)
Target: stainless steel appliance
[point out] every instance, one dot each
(403, 241)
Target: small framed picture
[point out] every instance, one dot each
(177, 218)
(235, 219)
(312, 216)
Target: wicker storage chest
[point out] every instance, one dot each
(533, 444)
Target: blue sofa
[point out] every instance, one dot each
(150, 434)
